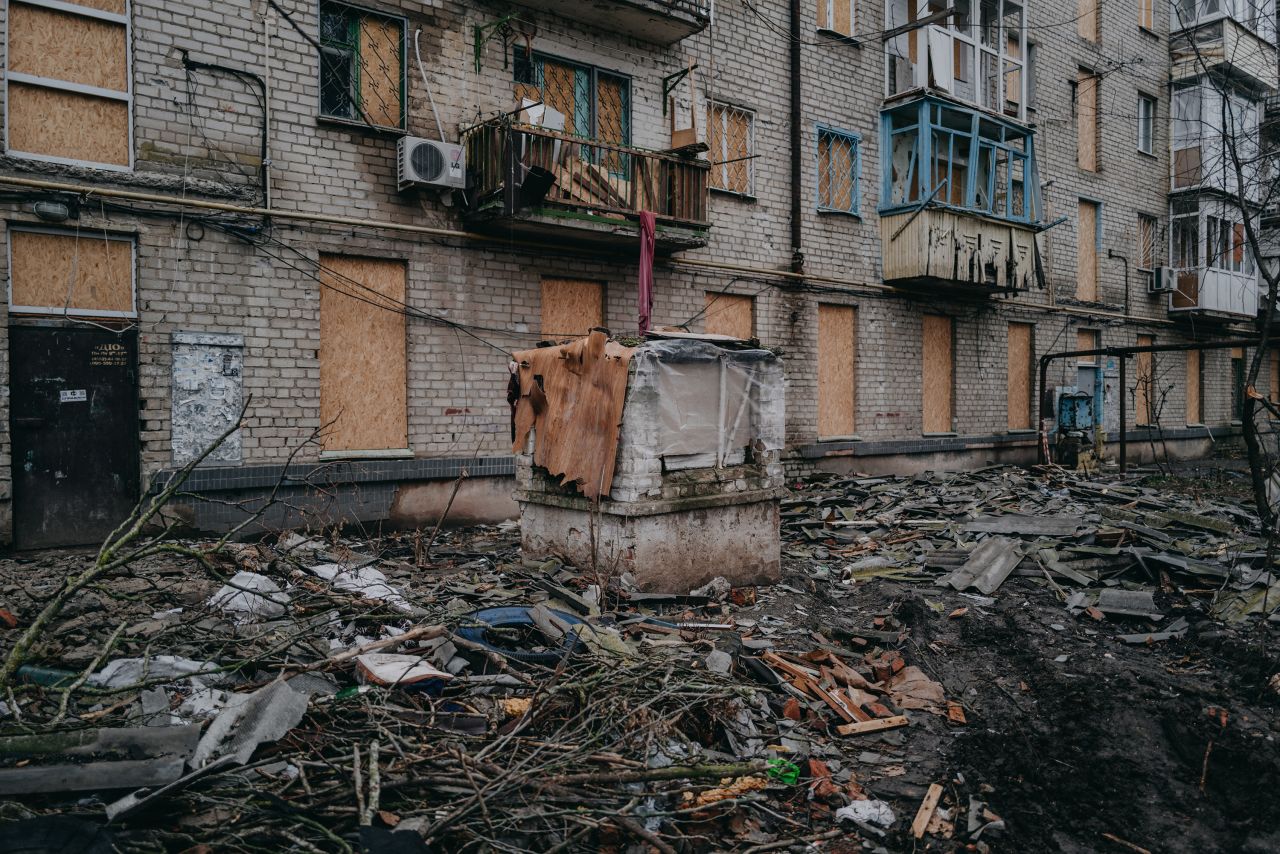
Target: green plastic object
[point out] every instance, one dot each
(783, 771)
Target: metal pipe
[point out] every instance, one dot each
(1046, 399)
(797, 232)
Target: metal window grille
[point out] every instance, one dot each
(1148, 227)
(596, 104)
(731, 139)
(839, 164)
(362, 74)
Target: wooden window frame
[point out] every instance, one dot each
(358, 120)
(855, 193)
(126, 96)
(750, 192)
(74, 234)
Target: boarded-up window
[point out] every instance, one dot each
(836, 16)
(839, 163)
(1146, 14)
(1087, 19)
(938, 374)
(596, 104)
(837, 374)
(729, 314)
(1087, 252)
(363, 370)
(361, 65)
(1087, 339)
(1021, 353)
(731, 138)
(1087, 85)
(571, 307)
(1195, 388)
(70, 274)
(1144, 396)
(68, 82)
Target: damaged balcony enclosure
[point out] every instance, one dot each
(960, 198)
(1236, 38)
(546, 185)
(661, 460)
(1216, 276)
(663, 22)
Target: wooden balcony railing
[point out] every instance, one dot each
(507, 161)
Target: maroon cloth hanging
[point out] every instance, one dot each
(648, 229)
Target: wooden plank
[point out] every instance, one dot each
(1087, 339)
(1195, 414)
(1144, 381)
(1087, 251)
(67, 124)
(571, 307)
(381, 69)
(363, 359)
(61, 46)
(1087, 19)
(837, 370)
(56, 272)
(937, 371)
(1020, 376)
(877, 725)
(927, 807)
(729, 314)
(843, 22)
(1087, 118)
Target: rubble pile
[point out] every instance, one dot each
(342, 695)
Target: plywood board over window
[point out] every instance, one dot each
(837, 374)
(938, 374)
(1087, 120)
(381, 70)
(1144, 384)
(1195, 381)
(53, 272)
(1087, 252)
(363, 359)
(1087, 19)
(729, 314)
(1021, 353)
(571, 307)
(1087, 339)
(68, 85)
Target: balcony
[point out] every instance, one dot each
(936, 247)
(1224, 45)
(959, 198)
(663, 22)
(1207, 293)
(544, 185)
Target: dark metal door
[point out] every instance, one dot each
(74, 423)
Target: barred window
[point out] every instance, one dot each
(1148, 227)
(731, 138)
(362, 71)
(839, 165)
(596, 103)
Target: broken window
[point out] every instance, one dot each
(839, 165)
(596, 104)
(976, 55)
(731, 138)
(958, 158)
(362, 75)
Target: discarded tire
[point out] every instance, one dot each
(517, 617)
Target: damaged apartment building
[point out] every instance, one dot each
(346, 217)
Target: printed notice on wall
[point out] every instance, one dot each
(72, 395)
(207, 395)
(109, 356)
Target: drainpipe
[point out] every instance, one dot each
(797, 244)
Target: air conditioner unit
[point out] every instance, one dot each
(427, 163)
(1163, 281)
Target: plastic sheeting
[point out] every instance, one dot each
(710, 403)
